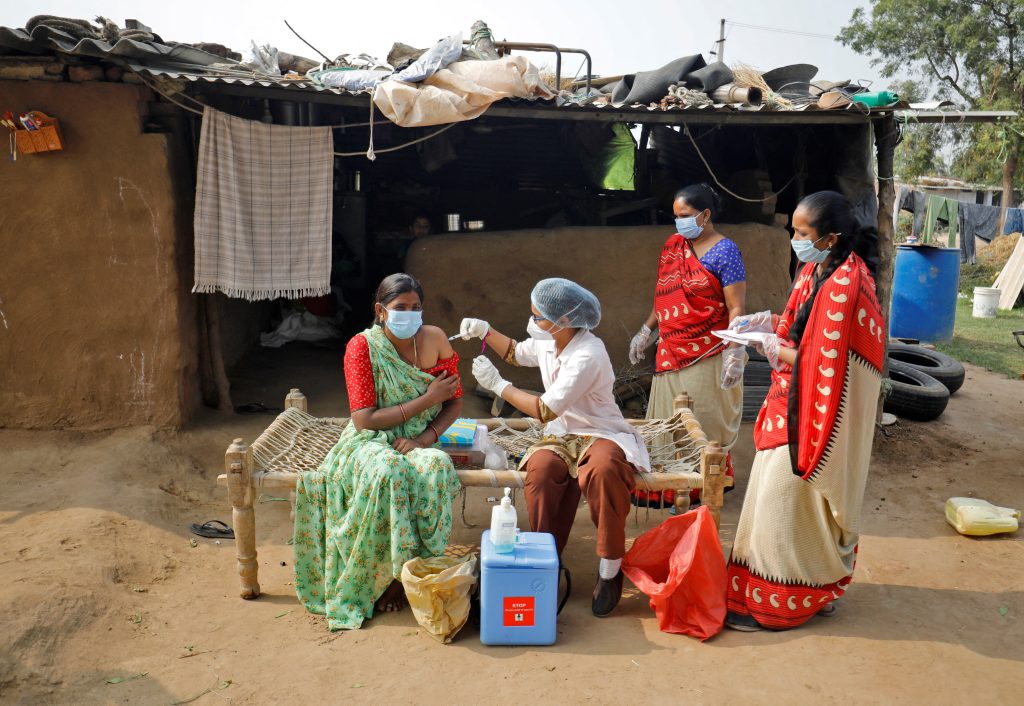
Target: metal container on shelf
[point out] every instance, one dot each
(454, 222)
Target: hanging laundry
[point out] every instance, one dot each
(916, 203)
(263, 209)
(976, 221)
(941, 209)
(1014, 221)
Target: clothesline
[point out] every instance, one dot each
(969, 220)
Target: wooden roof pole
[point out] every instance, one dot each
(886, 134)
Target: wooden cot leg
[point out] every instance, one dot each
(682, 401)
(238, 465)
(295, 398)
(712, 471)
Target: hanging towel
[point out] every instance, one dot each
(941, 209)
(976, 220)
(263, 209)
(1014, 221)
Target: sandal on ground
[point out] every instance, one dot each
(743, 623)
(256, 408)
(212, 529)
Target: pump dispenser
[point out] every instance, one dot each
(504, 524)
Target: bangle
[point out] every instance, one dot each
(437, 437)
(401, 408)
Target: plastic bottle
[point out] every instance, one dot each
(876, 99)
(504, 525)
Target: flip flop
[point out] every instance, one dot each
(211, 530)
(256, 408)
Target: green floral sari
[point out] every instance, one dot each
(368, 509)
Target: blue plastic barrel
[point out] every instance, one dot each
(924, 290)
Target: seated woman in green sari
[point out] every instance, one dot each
(384, 493)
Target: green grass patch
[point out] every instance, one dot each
(988, 343)
(972, 276)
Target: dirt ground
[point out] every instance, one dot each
(100, 581)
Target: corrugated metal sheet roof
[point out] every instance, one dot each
(187, 63)
(45, 40)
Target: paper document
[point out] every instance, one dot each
(747, 339)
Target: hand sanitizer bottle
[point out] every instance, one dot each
(503, 525)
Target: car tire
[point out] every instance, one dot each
(915, 394)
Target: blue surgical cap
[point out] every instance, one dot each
(566, 303)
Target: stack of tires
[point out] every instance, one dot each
(922, 381)
(757, 378)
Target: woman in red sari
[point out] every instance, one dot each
(796, 541)
(701, 288)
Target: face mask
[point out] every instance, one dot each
(688, 228)
(536, 332)
(404, 324)
(806, 252)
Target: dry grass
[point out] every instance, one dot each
(996, 253)
(749, 77)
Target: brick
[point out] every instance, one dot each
(88, 72)
(31, 70)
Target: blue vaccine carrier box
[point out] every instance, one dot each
(519, 591)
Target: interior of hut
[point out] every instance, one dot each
(501, 175)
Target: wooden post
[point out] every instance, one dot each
(886, 134)
(295, 398)
(220, 374)
(238, 466)
(712, 470)
(682, 401)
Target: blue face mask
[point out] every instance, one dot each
(688, 228)
(806, 252)
(404, 324)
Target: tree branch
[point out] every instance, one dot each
(949, 79)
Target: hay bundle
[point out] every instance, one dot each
(996, 253)
(748, 77)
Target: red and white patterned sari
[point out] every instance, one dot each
(690, 303)
(796, 542)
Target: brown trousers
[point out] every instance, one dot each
(605, 479)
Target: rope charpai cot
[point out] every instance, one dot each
(297, 441)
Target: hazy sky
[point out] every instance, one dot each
(622, 37)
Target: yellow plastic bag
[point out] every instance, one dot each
(438, 590)
(975, 517)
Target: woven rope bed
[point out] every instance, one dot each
(297, 441)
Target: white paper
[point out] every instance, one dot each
(747, 339)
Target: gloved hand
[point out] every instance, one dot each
(769, 348)
(761, 322)
(474, 328)
(732, 366)
(639, 344)
(487, 376)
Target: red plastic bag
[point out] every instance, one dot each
(680, 565)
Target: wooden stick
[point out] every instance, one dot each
(886, 136)
(220, 375)
(239, 476)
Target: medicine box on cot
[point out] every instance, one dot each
(519, 591)
(463, 441)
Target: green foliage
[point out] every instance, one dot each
(987, 342)
(920, 151)
(969, 52)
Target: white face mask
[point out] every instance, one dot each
(536, 332)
